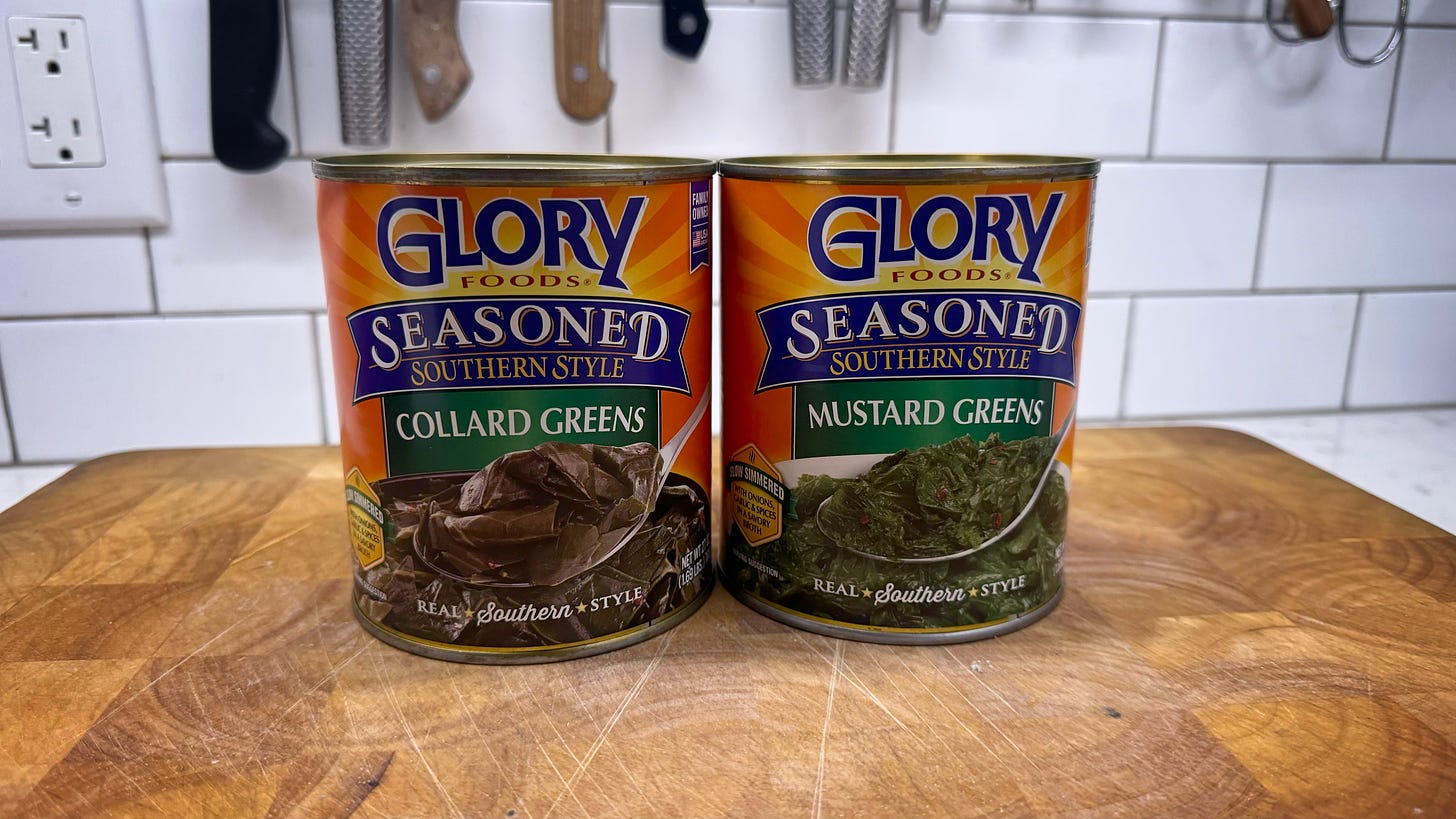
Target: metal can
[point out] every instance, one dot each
(521, 351)
(900, 357)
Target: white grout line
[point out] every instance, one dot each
(1157, 88)
(318, 376)
(1126, 358)
(1350, 354)
(1263, 232)
(1394, 94)
(151, 272)
(9, 419)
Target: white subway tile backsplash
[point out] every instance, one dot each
(1176, 227)
(1155, 8)
(1405, 350)
(1383, 12)
(1375, 226)
(1228, 354)
(242, 242)
(510, 104)
(737, 98)
(1229, 90)
(1026, 85)
(1424, 125)
(74, 274)
(6, 453)
(1104, 346)
(178, 49)
(326, 378)
(159, 382)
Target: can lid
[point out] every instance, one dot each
(508, 169)
(910, 167)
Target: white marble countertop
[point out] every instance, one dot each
(1405, 457)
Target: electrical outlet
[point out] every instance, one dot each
(52, 62)
(78, 125)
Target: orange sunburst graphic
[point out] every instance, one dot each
(768, 230)
(657, 269)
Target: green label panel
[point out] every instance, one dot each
(465, 430)
(867, 417)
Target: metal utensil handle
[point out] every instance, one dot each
(361, 46)
(931, 13)
(868, 42)
(811, 24)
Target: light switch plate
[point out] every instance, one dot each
(111, 176)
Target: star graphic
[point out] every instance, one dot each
(866, 592)
(469, 613)
(581, 607)
(975, 592)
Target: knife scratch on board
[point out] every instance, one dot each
(824, 733)
(486, 742)
(410, 735)
(663, 642)
(362, 789)
(114, 710)
(853, 679)
(541, 749)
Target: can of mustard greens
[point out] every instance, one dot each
(521, 350)
(900, 370)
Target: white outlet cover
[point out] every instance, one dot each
(126, 189)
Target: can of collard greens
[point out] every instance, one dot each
(900, 345)
(521, 349)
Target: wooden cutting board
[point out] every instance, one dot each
(1243, 635)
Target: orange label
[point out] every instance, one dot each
(903, 360)
(522, 381)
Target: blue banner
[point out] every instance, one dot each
(920, 334)
(470, 343)
(700, 222)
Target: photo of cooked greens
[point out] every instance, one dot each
(542, 526)
(932, 502)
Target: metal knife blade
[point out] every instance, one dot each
(361, 45)
(433, 53)
(684, 26)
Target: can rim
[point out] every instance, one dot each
(910, 167)
(509, 169)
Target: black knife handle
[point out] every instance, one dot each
(684, 26)
(244, 40)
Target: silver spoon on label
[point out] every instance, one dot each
(1059, 439)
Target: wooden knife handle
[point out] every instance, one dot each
(1312, 18)
(432, 51)
(582, 84)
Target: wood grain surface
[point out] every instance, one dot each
(1243, 635)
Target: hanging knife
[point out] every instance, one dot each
(868, 42)
(684, 26)
(811, 28)
(931, 12)
(244, 42)
(361, 46)
(432, 51)
(582, 85)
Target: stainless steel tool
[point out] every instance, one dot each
(361, 46)
(811, 26)
(868, 42)
(931, 12)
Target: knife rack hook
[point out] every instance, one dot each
(1337, 8)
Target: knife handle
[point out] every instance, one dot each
(244, 42)
(582, 84)
(361, 46)
(868, 42)
(811, 26)
(432, 51)
(684, 26)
